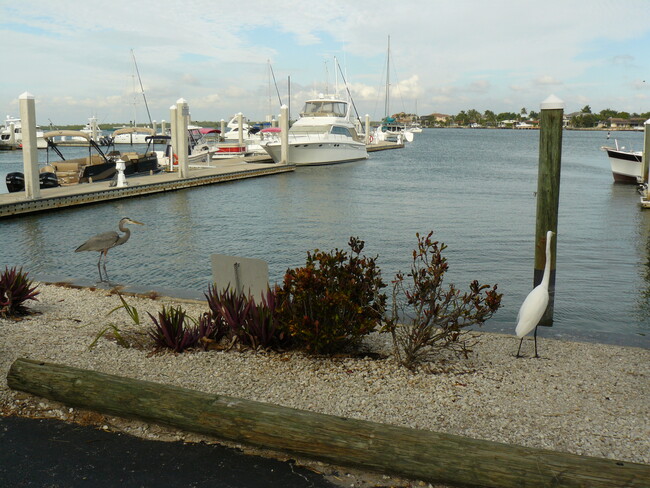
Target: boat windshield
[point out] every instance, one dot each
(309, 129)
(324, 108)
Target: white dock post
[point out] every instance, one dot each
(174, 141)
(240, 122)
(30, 149)
(223, 129)
(646, 150)
(367, 129)
(154, 126)
(645, 198)
(182, 118)
(94, 129)
(12, 135)
(163, 127)
(284, 134)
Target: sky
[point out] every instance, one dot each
(77, 58)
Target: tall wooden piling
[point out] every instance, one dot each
(284, 134)
(30, 147)
(548, 193)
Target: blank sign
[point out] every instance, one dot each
(247, 275)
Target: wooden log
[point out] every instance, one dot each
(391, 449)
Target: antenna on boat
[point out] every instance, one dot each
(348, 90)
(386, 102)
(275, 83)
(141, 87)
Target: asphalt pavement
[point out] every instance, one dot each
(52, 453)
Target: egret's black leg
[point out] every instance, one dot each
(536, 355)
(519, 350)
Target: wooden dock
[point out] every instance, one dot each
(87, 193)
(13, 204)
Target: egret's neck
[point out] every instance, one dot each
(547, 266)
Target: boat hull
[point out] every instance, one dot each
(319, 153)
(627, 166)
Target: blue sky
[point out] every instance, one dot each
(501, 55)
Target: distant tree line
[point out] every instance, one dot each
(583, 119)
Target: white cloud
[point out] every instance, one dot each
(449, 56)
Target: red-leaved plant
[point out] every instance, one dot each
(171, 330)
(15, 290)
(426, 317)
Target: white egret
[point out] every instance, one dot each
(535, 304)
(107, 240)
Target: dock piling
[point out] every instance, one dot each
(30, 148)
(182, 121)
(367, 129)
(548, 193)
(284, 134)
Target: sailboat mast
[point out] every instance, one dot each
(141, 89)
(387, 105)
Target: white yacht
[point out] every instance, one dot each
(627, 166)
(11, 136)
(324, 134)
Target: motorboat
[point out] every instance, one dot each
(627, 166)
(97, 166)
(323, 134)
(11, 136)
(132, 135)
(92, 129)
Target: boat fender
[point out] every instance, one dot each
(175, 159)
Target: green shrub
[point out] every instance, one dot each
(426, 317)
(15, 290)
(328, 305)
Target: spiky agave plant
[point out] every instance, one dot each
(171, 330)
(15, 289)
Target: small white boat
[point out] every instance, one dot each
(627, 166)
(132, 135)
(324, 134)
(11, 136)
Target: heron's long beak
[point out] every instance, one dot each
(135, 222)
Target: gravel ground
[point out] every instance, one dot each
(582, 398)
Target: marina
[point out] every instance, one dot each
(475, 189)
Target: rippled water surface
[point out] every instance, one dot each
(474, 188)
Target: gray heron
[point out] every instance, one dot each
(107, 240)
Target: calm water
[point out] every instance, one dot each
(474, 188)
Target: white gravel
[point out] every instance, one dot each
(582, 398)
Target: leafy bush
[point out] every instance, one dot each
(171, 330)
(15, 290)
(435, 317)
(330, 303)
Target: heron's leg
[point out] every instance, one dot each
(519, 350)
(104, 265)
(99, 262)
(536, 355)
